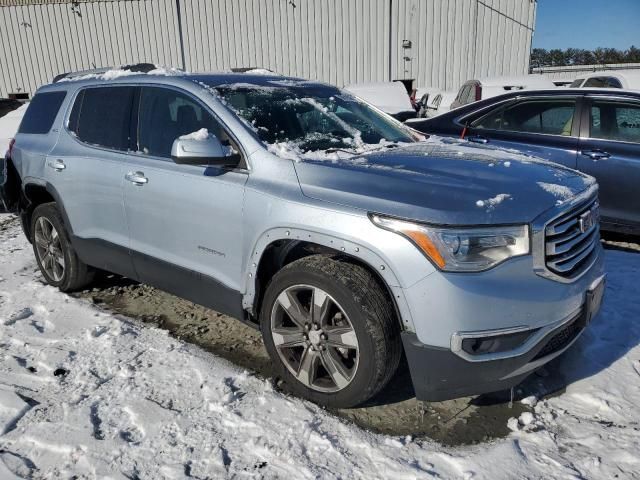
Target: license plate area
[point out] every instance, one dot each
(594, 300)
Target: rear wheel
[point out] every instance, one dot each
(331, 331)
(56, 258)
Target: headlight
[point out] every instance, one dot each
(460, 249)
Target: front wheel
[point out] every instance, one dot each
(56, 258)
(331, 330)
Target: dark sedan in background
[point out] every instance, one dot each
(596, 131)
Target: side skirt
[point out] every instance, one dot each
(179, 281)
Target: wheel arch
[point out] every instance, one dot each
(36, 192)
(278, 247)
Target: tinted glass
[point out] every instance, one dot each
(615, 121)
(603, 82)
(464, 94)
(41, 112)
(167, 114)
(553, 117)
(311, 117)
(576, 83)
(102, 117)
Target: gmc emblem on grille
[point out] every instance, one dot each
(588, 219)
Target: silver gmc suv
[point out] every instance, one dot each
(341, 234)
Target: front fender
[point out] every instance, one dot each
(349, 248)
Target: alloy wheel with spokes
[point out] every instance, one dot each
(314, 338)
(48, 247)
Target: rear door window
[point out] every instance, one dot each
(166, 114)
(611, 120)
(42, 112)
(603, 82)
(551, 117)
(102, 117)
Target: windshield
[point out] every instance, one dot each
(310, 118)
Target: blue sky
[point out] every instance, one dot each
(587, 24)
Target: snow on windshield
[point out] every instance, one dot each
(300, 119)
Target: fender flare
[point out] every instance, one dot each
(352, 249)
(51, 190)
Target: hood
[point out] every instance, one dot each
(444, 183)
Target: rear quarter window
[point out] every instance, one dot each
(42, 112)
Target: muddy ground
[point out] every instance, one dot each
(395, 411)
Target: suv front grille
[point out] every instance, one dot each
(571, 240)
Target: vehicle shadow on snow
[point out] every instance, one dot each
(609, 337)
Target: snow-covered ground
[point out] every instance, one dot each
(87, 393)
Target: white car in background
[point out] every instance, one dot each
(8, 128)
(390, 97)
(629, 79)
(482, 88)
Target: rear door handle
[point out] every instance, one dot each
(137, 178)
(596, 154)
(58, 165)
(477, 139)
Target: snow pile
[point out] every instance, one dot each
(108, 75)
(198, 135)
(115, 73)
(89, 394)
(493, 202)
(9, 126)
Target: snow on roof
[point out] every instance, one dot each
(390, 97)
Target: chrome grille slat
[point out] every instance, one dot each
(558, 248)
(561, 227)
(567, 248)
(567, 264)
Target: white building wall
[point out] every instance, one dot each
(337, 41)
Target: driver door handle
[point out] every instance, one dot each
(137, 178)
(58, 165)
(596, 154)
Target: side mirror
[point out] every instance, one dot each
(202, 148)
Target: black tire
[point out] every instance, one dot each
(370, 312)
(76, 274)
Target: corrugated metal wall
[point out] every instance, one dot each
(338, 41)
(40, 41)
(455, 40)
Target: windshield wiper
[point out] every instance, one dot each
(355, 152)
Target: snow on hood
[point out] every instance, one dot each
(443, 183)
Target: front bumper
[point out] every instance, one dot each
(440, 374)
